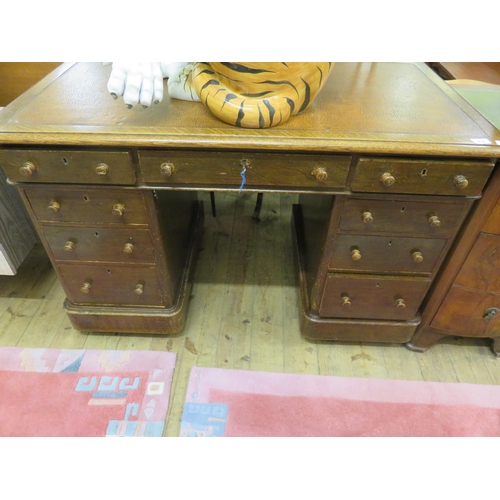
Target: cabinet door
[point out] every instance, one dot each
(481, 270)
(469, 313)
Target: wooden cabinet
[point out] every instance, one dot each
(114, 255)
(466, 300)
(381, 252)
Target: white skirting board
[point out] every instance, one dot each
(6, 268)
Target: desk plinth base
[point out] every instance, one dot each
(315, 327)
(142, 320)
(109, 319)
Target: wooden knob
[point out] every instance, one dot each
(128, 248)
(346, 301)
(27, 169)
(54, 206)
(320, 173)
(387, 179)
(167, 169)
(355, 254)
(69, 246)
(460, 182)
(367, 217)
(139, 289)
(101, 169)
(417, 257)
(400, 303)
(85, 287)
(118, 209)
(434, 220)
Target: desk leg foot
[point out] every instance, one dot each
(424, 340)
(496, 346)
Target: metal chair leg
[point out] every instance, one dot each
(212, 203)
(258, 206)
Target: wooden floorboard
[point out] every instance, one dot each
(243, 313)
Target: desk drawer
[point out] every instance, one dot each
(436, 177)
(380, 254)
(68, 166)
(374, 297)
(91, 206)
(111, 285)
(202, 168)
(119, 245)
(434, 219)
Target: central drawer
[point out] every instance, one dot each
(374, 297)
(111, 285)
(208, 168)
(120, 245)
(381, 254)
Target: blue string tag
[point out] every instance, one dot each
(242, 173)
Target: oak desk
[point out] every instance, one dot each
(388, 162)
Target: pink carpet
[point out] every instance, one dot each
(58, 392)
(245, 403)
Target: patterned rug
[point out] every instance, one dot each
(244, 403)
(58, 392)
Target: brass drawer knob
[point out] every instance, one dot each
(54, 206)
(320, 173)
(387, 179)
(417, 257)
(434, 221)
(400, 303)
(167, 169)
(128, 248)
(69, 246)
(460, 182)
(346, 302)
(139, 289)
(118, 209)
(367, 217)
(85, 287)
(101, 169)
(355, 254)
(27, 169)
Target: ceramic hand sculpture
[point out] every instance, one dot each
(251, 95)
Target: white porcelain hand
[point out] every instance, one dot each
(138, 83)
